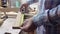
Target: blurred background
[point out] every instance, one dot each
(10, 14)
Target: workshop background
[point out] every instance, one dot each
(10, 16)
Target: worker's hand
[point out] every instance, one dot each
(23, 5)
(28, 25)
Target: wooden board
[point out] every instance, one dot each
(19, 20)
(1, 21)
(0, 3)
(9, 9)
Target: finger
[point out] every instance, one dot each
(24, 23)
(25, 27)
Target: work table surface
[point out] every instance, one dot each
(7, 26)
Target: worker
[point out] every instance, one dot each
(47, 15)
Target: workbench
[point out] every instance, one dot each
(7, 26)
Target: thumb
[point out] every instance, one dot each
(21, 28)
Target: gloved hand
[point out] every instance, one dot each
(28, 25)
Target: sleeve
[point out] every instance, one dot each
(40, 19)
(58, 11)
(58, 15)
(54, 15)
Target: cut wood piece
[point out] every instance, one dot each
(19, 20)
(0, 3)
(9, 9)
(1, 21)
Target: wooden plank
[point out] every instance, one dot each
(0, 3)
(9, 9)
(1, 21)
(19, 20)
